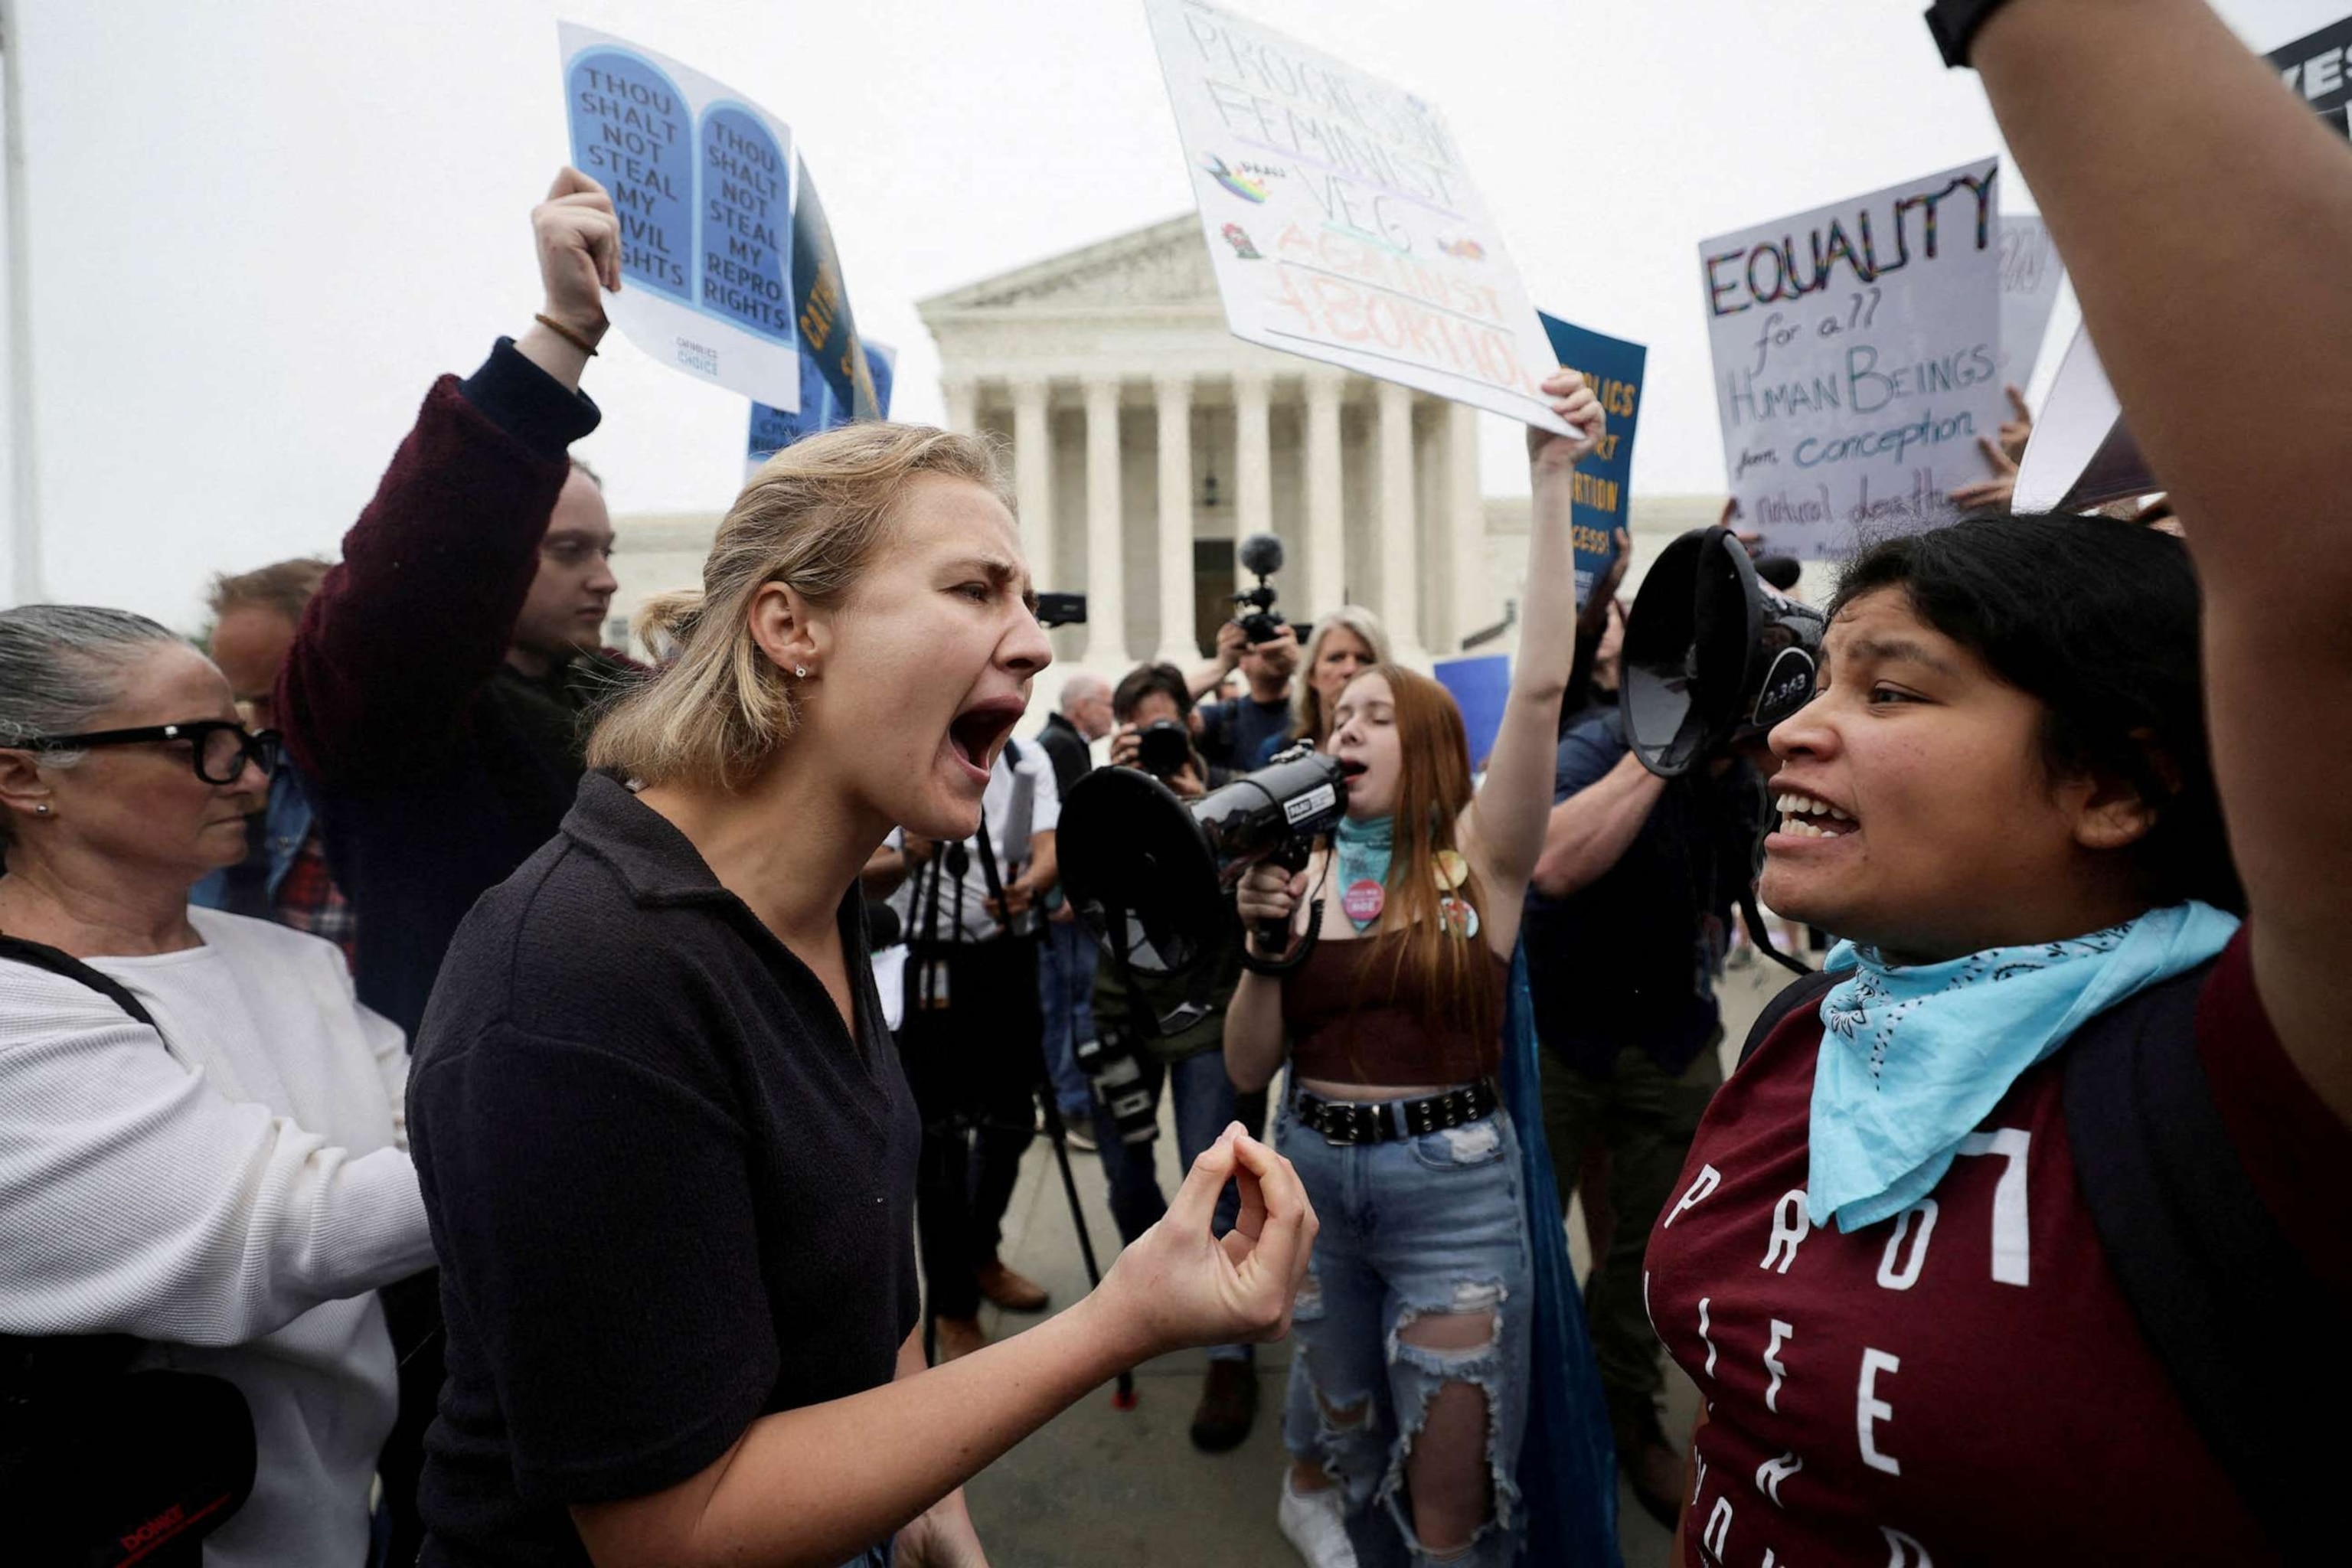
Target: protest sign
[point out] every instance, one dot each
(1480, 685)
(1856, 359)
(774, 429)
(1604, 482)
(2029, 277)
(701, 182)
(1340, 220)
(2318, 68)
(2081, 454)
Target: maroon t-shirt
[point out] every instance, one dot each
(1963, 1383)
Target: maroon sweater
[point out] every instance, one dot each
(437, 768)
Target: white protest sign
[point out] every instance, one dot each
(1342, 223)
(701, 179)
(2030, 276)
(1857, 360)
(2080, 455)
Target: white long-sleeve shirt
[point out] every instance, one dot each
(236, 1198)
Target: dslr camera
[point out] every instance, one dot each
(1163, 748)
(1261, 555)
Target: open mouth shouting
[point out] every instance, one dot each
(1353, 767)
(977, 733)
(1807, 816)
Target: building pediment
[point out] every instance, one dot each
(1165, 264)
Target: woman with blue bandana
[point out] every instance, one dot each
(2018, 1235)
(1409, 1397)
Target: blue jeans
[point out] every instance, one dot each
(1410, 1228)
(1205, 1103)
(1066, 984)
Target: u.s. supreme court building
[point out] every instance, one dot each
(1145, 442)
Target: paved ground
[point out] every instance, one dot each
(1101, 1488)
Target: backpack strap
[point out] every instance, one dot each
(41, 956)
(2218, 1290)
(1806, 992)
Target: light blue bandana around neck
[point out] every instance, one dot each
(1913, 1056)
(1362, 849)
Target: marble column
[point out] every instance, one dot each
(1462, 531)
(1326, 567)
(963, 405)
(1033, 476)
(1172, 398)
(1253, 458)
(1399, 583)
(1106, 562)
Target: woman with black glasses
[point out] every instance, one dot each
(232, 1183)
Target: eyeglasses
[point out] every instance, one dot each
(218, 748)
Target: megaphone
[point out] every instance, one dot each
(1149, 875)
(1712, 654)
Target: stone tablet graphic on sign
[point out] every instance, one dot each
(702, 182)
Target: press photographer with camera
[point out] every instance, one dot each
(666, 1143)
(1265, 647)
(2048, 1172)
(1131, 1059)
(1415, 1350)
(972, 1035)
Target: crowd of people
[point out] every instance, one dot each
(548, 1106)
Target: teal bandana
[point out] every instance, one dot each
(1361, 850)
(1913, 1056)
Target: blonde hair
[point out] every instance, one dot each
(813, 518)
(1308, 719)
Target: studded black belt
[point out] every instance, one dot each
(1377, 1121)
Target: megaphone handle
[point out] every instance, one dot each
(1276, 935)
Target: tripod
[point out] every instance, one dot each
(954, 1114)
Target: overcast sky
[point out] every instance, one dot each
(259, 228)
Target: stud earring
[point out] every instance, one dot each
(800, 670)
(40, 811)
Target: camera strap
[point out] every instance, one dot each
(988, 871)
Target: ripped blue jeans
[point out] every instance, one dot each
(1414, 1228)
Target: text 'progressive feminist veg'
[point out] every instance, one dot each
(1857, 359)
(1342, 221)
(702, 181)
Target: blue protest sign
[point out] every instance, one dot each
(1604, 482)
(702, 181)
(1480, 684)
(774, 429)
(825, 320)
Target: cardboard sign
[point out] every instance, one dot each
(2031, 277)
(1857, 360)
(702, 182)
(2081, 455)
(2318, 69)
(1341, 222)
(1604, 482)
(774, 429)
(1480, 685)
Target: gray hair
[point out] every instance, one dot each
(1084, 686)
(1306, 716)
(61, 664)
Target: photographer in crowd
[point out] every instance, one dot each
(1067, 959)
(285, 876)
(2048, 1172)
(1626, 925)
(1234, 732)
(203, 1144)
(972, 1035)
(1150, 701)
(666, 1143)
(1409, 1397)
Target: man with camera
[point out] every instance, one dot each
(1130, 1062)
(1625, 931)
(972, 1034)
